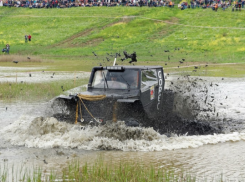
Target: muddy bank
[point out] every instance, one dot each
(40, 76)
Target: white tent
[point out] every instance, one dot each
(1, 3)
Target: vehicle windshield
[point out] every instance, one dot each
(111, 79)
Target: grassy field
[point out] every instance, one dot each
(65, 38)
(33, 92)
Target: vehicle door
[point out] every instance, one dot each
(149, 91)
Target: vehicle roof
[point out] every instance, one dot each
(142, 67)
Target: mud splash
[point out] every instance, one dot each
(50, 133)
(197, 111)
(204, 105)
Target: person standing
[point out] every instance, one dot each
(216, 7)
(7, 48)
(29, 37)
(25, 38)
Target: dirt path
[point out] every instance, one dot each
(69, 41)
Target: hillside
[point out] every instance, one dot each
(71, 35)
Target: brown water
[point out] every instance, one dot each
(28, 139)
(206, 156)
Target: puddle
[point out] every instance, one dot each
(30, 135)
(38, 77)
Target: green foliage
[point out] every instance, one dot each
(123, 171)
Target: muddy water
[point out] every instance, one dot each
(25, 75)
(29, 136)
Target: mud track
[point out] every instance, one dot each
(69, 42)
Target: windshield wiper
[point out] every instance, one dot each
(128, 86)
(105, 81)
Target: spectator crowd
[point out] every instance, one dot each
(83, 3)
(214, 4)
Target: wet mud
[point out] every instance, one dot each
(176, 122)
(31, 75)
(198, 106)
(201, 106)
(196, 130)
(191, 106)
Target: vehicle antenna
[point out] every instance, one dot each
(115, 60)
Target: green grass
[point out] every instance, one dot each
(64, 39)
(99, 171)
(124, 171)
(32, 92)
(232, 70)
(72, 34)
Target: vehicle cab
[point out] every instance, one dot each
(130, 84)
